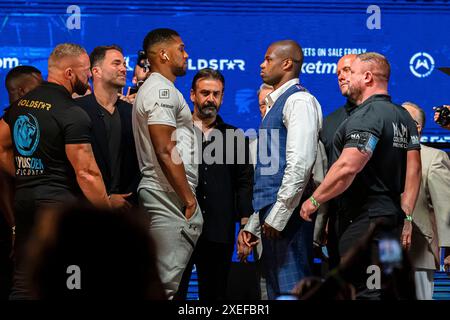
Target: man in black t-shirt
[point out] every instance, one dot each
(45, 144)
(112, 132)
(18, 82)
(330, 125)
(370, 176)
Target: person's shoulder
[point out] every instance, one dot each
(302, 95)
(156, 89)
(303, 98)
(368, 110)
(432, 152)
(72, 108)
(224, 124)
(87, 102)
(404, 113)
(124, 105)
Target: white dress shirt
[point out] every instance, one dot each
(302, 117)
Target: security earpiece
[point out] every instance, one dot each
(165, 56)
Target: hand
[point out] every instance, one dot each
(248, 238)
(244, 244)
(406, 234)
(270, 232)
(118, 201)
(307, 210)
(447, 259)
(243, 251)
(128, 98)
(447, 263)
(190, 210)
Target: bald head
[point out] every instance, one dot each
(344, 71)
(289, 49)
(416, 113)
(282, 62)
(21, 80)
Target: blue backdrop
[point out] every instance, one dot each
(233, 37)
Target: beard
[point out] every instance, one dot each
(354, 92)
(79, 87)
(118, 83)
(179, 71)
(208, 110)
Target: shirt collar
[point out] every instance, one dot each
(56, 85)
(349, 106)
(376, 97)
(273, 97)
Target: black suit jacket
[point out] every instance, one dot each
(129, 169)
(224, 190)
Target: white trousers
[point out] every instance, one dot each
(424, 279)
(173, 235)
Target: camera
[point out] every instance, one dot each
(443, 116)
(142, 60)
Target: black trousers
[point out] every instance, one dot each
(213, 263)
(333, 242)
(6, 263)
(354, 232)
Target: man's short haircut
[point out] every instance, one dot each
(422, 118)
(208, 73)
(379, 61)
(18, 72)
(65, 50)
(158, 36)
(98, 54)
(263, 87)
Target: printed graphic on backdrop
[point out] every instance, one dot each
(235, 44)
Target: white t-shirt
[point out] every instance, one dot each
(159, 102)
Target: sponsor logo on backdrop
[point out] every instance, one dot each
(421, 64)
(8, 62)
(324, 60)
(217, 64)
(434, 138)
(244, 99)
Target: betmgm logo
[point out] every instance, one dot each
(8, 62)
(421, 64)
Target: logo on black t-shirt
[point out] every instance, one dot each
(26, 134)
(400, 139)
(26, 139)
